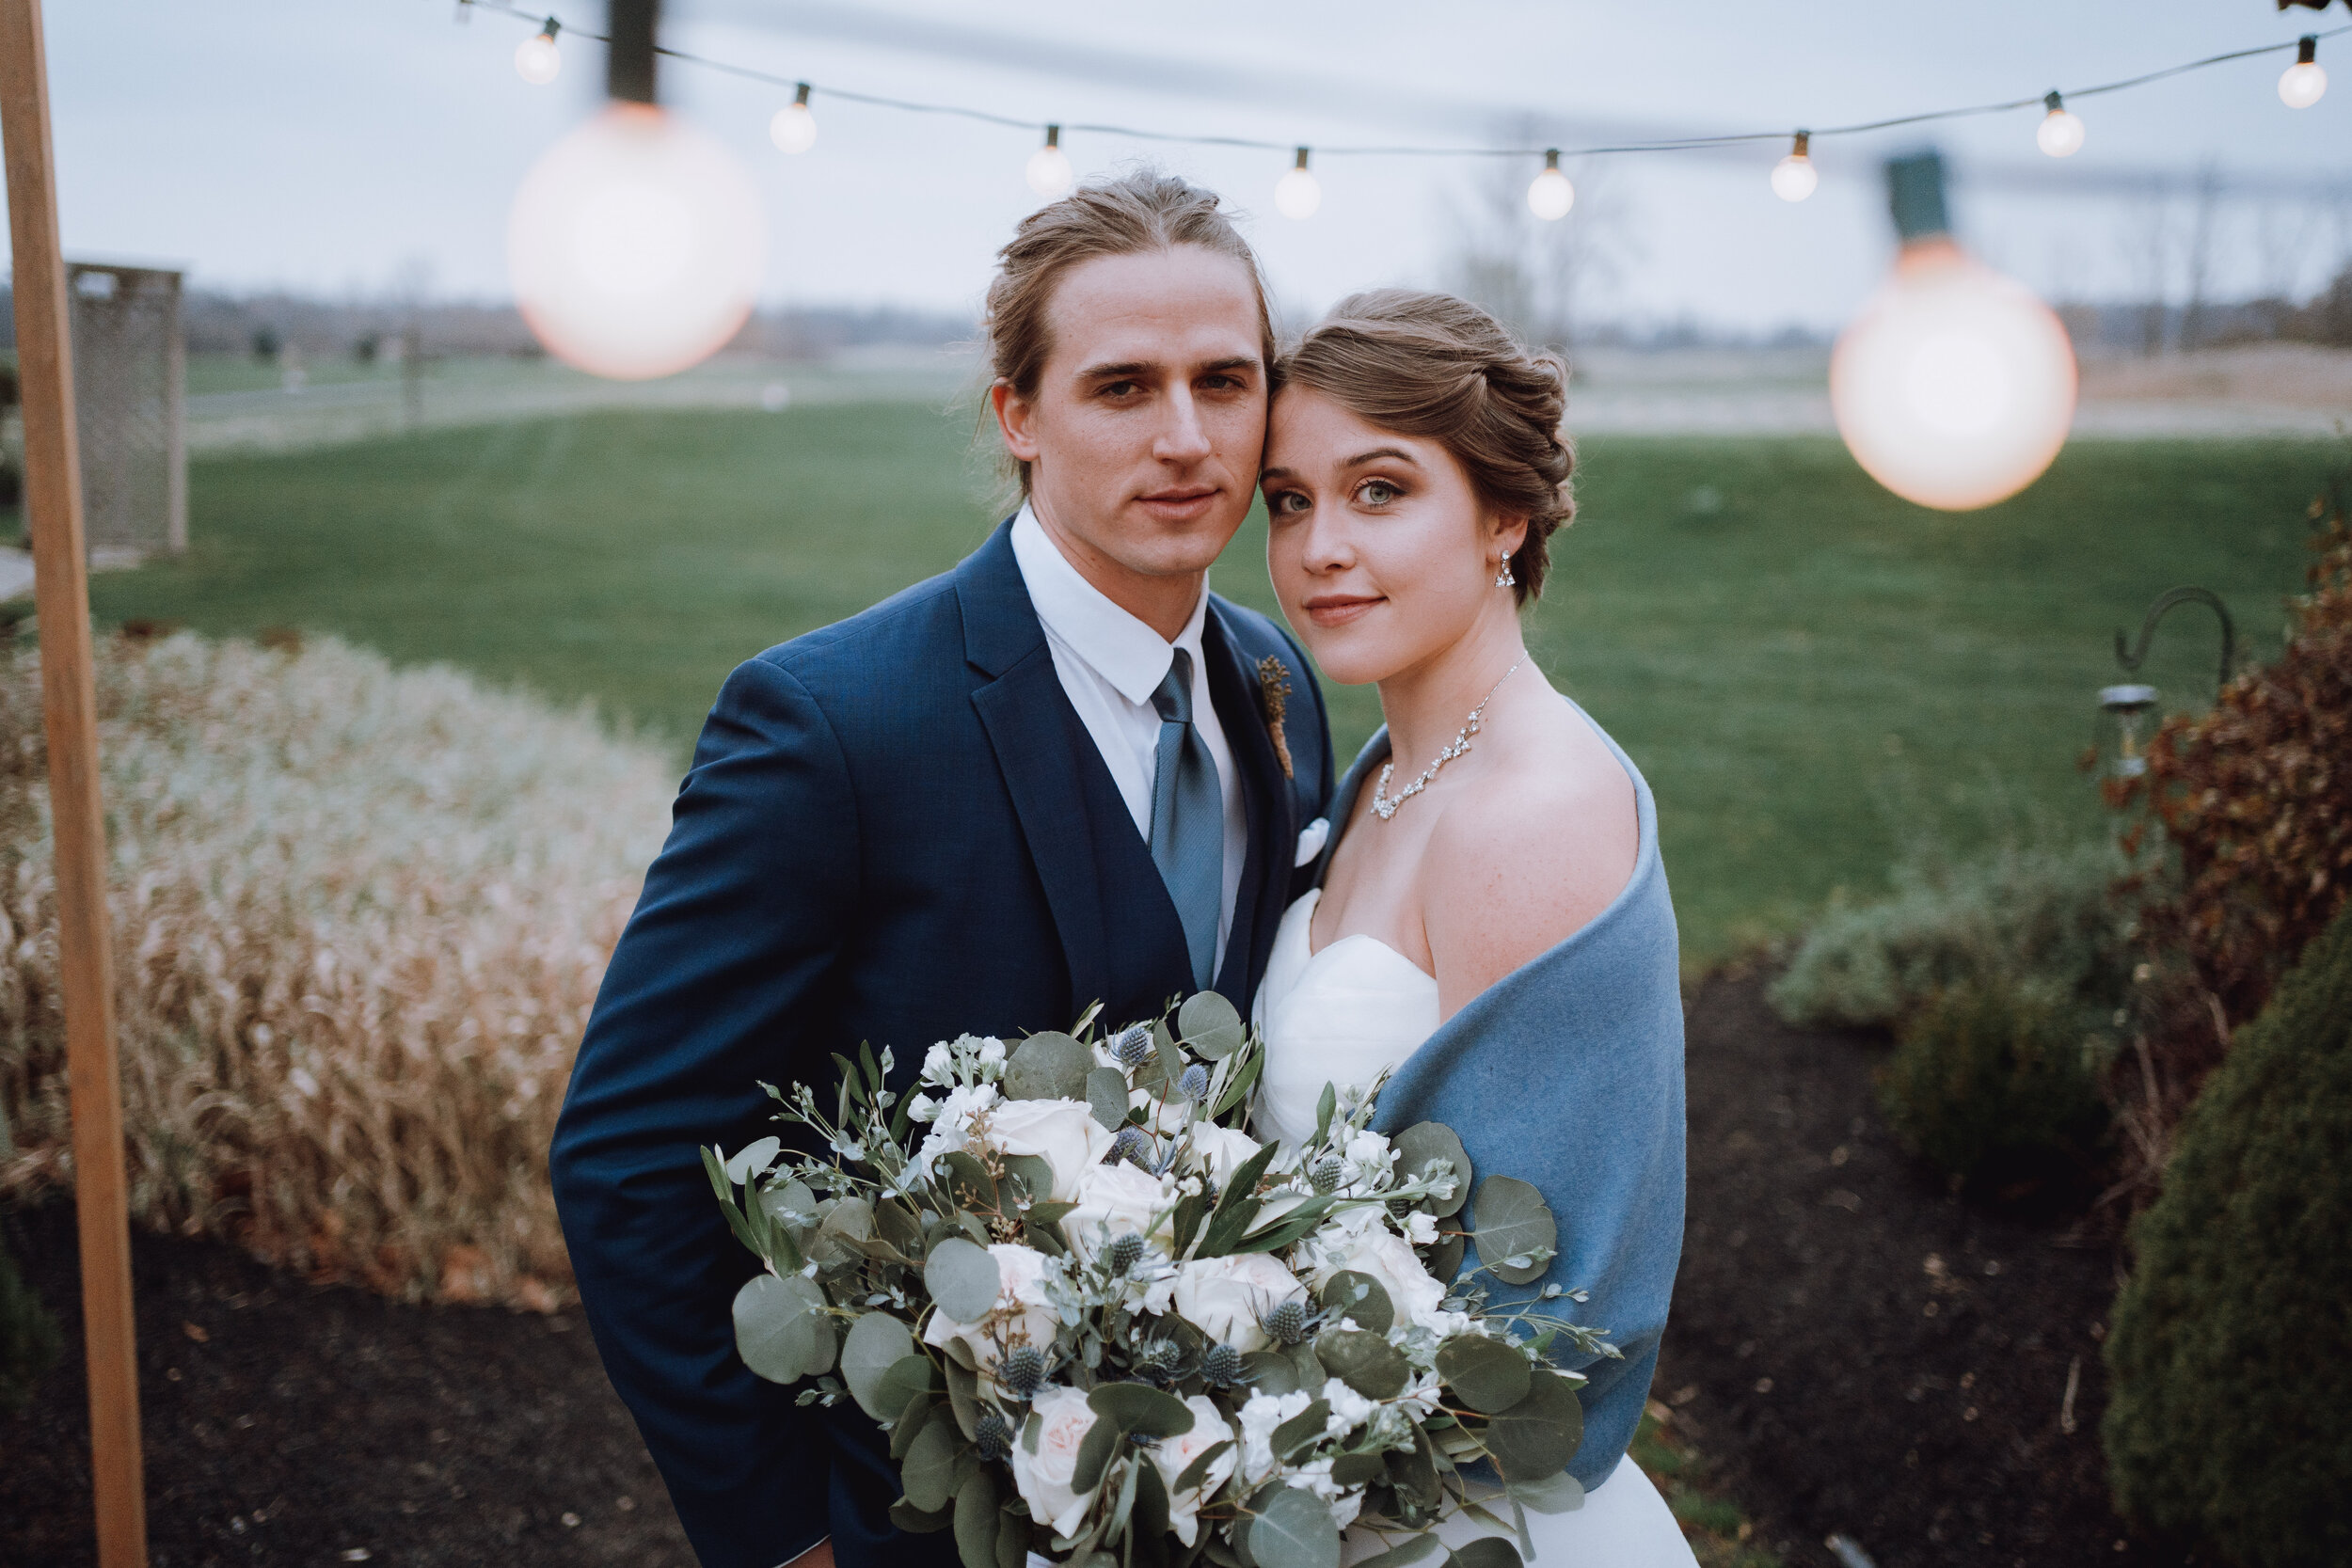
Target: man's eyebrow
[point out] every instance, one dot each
(1131, 367)
(1239, 362)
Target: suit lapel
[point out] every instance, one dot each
(1266, 801)
(1037, 739)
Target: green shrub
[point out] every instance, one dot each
(2034, 917)
(28, 1335)
(2232, 1354)
(1988, 1077)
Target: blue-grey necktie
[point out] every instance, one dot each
(1188, 819)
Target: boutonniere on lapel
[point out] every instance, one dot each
(1274, 692)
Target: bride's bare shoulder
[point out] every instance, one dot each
(1530, 855)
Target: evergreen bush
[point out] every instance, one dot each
(1991, 1078)
(2230, 1417)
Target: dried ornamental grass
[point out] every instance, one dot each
(359, 918)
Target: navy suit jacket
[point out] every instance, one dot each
(895, 830)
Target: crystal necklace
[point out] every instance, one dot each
(1384, 805)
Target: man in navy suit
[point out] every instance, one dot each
(1062, 773)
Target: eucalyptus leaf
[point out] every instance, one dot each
(1151, 1515)
(1270, 1371)
(1413, 1474)
(1423, 1145)
(1560, 1493)
(754, 1159)
(1140, 1409)
(930, 1466)
(1352, 1295)
(914, 1520)
(1094, 1455)
(1514, 1221)
(1536, 1438)
(1049, 1066)
(1294, 1530)
(1365, 1362)
(1486, 1374)
(1410, 1550)
(780, 1329)
(911, 1423)
(1300, 1430)
(1033, 1172)
(1326, 1106)
(1198, 1471)
(978, 1520)
(1487, 1551)
(846, 1224)
(1013, 1538)
(964, 1280)
(908, 1376)
(967, 1180)
(963, 1397)
(896, 1223)
(1445, 1258)
(876, 1342)
(1209, 1025)
(1106, 1092)
(1355, 1469)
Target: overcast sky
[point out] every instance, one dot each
(324, 145)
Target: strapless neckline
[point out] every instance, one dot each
(1341, 1016)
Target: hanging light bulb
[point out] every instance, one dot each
(536, 58)
(1297, 194)
(2061, 133)
(1549, 195)
(1794, 177)
(635, 244)
(794, 129)
(1954, 387)
(2301, 84)
(1049, 173)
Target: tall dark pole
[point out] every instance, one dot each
(628, 65)
(53, 507)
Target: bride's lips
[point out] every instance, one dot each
(1338, 609)
(1180, 503)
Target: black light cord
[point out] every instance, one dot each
(1675, 144)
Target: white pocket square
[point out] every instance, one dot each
(1311, 839)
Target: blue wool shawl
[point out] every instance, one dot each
(1567, 1073)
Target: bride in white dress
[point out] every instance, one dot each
(1413, 473)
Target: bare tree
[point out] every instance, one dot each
(1542, 278)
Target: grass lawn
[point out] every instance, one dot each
(1813, 674)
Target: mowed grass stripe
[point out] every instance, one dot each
(1811, 672)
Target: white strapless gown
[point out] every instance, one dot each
(1338, 1016)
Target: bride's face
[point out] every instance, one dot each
(1380, 550)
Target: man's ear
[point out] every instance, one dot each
(1015, 417)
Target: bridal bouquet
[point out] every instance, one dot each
(1102, 1323)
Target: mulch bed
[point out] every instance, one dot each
(1855, 1349)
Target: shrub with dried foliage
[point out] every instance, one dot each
(2254, 800)
(359, 917)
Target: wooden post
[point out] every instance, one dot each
(52, 500)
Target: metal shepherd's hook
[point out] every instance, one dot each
(2130, 657)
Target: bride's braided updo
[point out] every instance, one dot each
(1436, 367)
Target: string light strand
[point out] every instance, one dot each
(1671, 144)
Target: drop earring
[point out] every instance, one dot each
(1504, 579)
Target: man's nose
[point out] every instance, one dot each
(1182, 438)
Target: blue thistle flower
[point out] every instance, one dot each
(1132, 1045)
(993, 1435)
(1022, 1372)
(1221, 1367)
(1194, 1083)
(1325, 1173)
(1287, 1324)
(1124, 1253)
(1133, 1143)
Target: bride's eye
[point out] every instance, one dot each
(1377, 492)
(1279, 502)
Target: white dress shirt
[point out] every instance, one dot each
(1110, 663)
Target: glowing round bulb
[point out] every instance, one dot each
(1049, 173)
(1549, 196)
(2060, 133)
(1954, 388)
(794, 129)
(1794, 178)
(537, 59)
(2301, 85)
(1296, 195)
(635, 244)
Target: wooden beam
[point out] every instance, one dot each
(52, 500)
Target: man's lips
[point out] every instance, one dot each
(1180, 503)
(1338, 609)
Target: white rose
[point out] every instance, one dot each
(1174, 1455)
(1224, 1297)
(1420, 1229)
(1222, 1149)
(1063, 1132)
(1114, 1200)
(1043, 1478)
(1386, 1257)
(1023, 1314)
